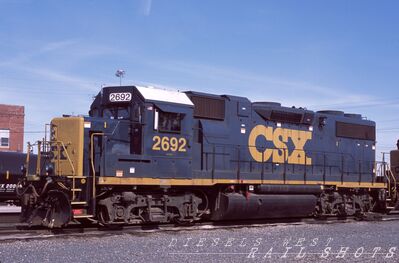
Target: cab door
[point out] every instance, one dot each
(136, 130)
(170, 141)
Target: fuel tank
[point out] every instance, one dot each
(234, 206)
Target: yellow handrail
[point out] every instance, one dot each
(393, 179)
(67, 155)
(92, 161)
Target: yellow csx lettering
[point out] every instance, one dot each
(280, 137)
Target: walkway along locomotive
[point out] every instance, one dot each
(151, 155)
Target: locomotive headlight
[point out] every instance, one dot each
(49, 169)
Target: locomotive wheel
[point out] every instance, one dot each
(103, 215)
(56, 210)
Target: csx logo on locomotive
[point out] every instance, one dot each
(280, 137)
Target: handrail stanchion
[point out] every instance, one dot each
(263, 167)
(285, 166)
(342, 169)
(213, 162)
(324, 168)
(238, 165)
(305, 170)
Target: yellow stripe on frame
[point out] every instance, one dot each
(209, 182)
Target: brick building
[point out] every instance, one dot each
(12, 128)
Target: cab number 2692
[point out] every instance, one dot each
(169, 144)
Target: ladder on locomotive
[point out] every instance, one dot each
(78, 206)
(392, 194)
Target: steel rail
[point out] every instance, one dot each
(15, 232)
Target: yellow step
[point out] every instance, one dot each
(78, 203)
(76, 189)
(83, 216)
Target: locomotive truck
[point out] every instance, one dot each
(147, 155)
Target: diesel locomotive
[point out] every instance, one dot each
(147, 155)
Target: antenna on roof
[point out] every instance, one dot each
(120, 73)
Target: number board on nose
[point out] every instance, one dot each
(120, 97)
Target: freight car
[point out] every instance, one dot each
(11, 172)
(392, 174)
(147, 155)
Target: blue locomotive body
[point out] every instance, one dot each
(228, 139)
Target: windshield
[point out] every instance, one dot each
(119, 113)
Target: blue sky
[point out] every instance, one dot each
(55, 55)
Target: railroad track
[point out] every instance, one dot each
(8, 218)
(12, 232)
(9, 213)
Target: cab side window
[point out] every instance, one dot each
(168, 122)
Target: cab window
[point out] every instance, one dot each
(94, 113)
(167, 121)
